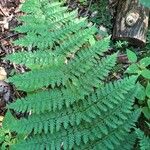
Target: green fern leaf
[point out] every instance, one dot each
(69, 103)
(144, 140)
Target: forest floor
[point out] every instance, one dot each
(97, 12)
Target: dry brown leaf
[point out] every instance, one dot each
(4, 11)
(1, 118)
(3, 74)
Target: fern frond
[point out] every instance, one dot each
(88, 57)
(31, 6)
(57, 75)
(48, 22)
(84, 134)
(54, 10)
(86, 83)
(116, 136)
(46, 39)
(43, 78)
(37, 59)
(68, 102)
(75, 42)
(95, 105)
(144, 140)
(128, 142)
(40, 59)
(65, 96)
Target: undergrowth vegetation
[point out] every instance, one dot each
(141, 69)
(70, 103)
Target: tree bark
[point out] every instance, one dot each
(131, 22)
(112, 6)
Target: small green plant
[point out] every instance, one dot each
(141, 68)
(121, 44)
(6, 137)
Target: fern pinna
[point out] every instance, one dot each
(69, 103)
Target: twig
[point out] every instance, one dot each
(88, 8)
(10, 36)
(3, 12)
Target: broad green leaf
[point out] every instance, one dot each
(146, 112)
(131, 56)
(148, 90)
(133, 68)
(146, 3)
(146, 73)
(145, 62)
(140, 93)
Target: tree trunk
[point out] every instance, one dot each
(131, 22)
(112, 6)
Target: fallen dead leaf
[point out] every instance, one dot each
(5, 22)
(1, 118)
(3, 74)
(4, 11)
